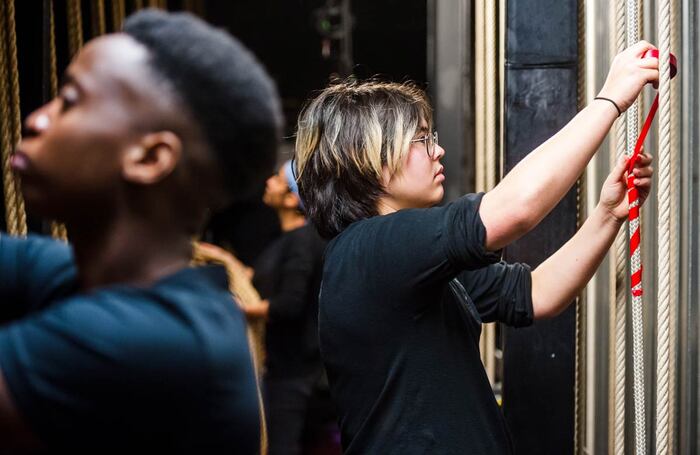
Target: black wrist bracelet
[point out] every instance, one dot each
(619, 111)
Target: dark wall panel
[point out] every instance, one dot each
(540, 98)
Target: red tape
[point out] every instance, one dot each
(632, 193)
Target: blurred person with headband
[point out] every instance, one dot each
(288, 278)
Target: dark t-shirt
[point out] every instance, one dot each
(288, 274)
(163, 368)
(401, 306)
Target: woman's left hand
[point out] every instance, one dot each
(613, 196)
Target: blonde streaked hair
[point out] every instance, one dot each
(346, 136)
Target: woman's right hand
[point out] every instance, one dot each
(629, 73)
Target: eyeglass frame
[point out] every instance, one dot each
(430, 140)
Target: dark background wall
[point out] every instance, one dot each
(540, 98)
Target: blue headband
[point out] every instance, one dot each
(292, 181)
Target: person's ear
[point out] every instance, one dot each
(290, 201)
(152, 159)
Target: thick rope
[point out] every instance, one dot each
(664, 227)
(633, 27)
(618, 267)
(58, 230)
(486, 129)
(491, 86)
(491, 80)
(480, 95)
(75, 27)
(11, 122)
(16, 115)
(118, 14)
(675, 241)
(8, 178)
(99, 21)
(580, 352)
(162, 4)
(242, 288)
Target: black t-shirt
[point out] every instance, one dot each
(288, 274)
(401, 306)
(161, 369)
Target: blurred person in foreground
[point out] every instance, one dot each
(113, 344)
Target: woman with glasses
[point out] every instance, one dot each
(407, 284)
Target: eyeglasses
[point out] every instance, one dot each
(430, 141)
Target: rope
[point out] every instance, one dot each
(664, 231)
(617, 268)
(162, 4)
(633, 27)
(675, 241)
(245, 294)
(486, 133)
(58, 230)
(491, 80)
(580, 353)
(11, 123)
(480, 95)
(118, 14)
(99, 21)
(75, 27)
(491, 87)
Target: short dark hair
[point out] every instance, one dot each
(224, 87)
(345, 137)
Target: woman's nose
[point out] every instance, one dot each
(439, 152)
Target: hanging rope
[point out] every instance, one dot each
(75, 26)
(245, 294)
(162, 4)
(99, 21)
(486, 133)
(580, 352)
(10, 128)
(118, 14)
(675, 242)
(634, 203)
(618, 267)
(633, 27)
(58, 230)
(491, 80)
(663, 348)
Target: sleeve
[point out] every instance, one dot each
(296, 282)
(419, 247)
(33, 273)
(501, 292)
(77, 367)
